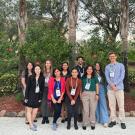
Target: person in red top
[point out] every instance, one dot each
(56, 90)
(73, 89)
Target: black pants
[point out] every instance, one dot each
(72, 110)
(57, 112)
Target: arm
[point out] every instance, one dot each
(107, 75)
(23, 80)
(79, 88)
(122, 75)
(68, 89)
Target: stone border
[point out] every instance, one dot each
(4, 113)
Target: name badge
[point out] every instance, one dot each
(87, 86)
(37, 89)
(73, 92)
(58, 93)
(81, 74)
(99, 78)
(111, 74)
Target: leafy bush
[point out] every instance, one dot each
(131, 77)
(96, 50)
(8, 84)
(44, 42)
(19, 96)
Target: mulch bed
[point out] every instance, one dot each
(10, 104)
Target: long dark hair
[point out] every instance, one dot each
(26, 70)
(53, 74)
(93, 73)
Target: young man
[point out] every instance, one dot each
(80, 66)
(81, 69)
(115, 73)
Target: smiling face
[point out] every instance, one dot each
(112, 58)
(74, 73)
(37, 70)
(89, 70)
(29, 66)
(48, 64)
(57, 73)
(97, 67)
(80, 61)
(64, 66)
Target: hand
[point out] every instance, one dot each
(54, 101)
(59, 101)
(72, 102)
(113, 87)
(97, 97)
(26, 100)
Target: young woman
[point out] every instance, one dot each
(56, 90)
(73, 89)
(102, 111)
(90, 96)
(44, 106)
(33, 96)
(24, 78)
(65, 74)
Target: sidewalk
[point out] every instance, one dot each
(16, 126)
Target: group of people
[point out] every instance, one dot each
(81, 91)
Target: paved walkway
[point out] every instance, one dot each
(16, 126)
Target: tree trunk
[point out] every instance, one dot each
(72, 20)
(22, 27)
(124, 36)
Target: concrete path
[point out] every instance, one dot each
(16, 126)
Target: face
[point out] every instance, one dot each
(97, 67)
(29, 66)
(65, 66)
(74, 73)
(48, 64)
(57, 73)
(80, 61)
(37, 70)
(112, 57)
(89, 71)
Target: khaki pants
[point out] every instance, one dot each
(89, 107)
(118, 96)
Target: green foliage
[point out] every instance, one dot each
(44, 42)
(131, 77)
(96, 50)
(8, 84)
(19, 96)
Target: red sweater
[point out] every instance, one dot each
(69, 87)
(51, 86)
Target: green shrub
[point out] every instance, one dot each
(8, 84)
(131, 77)
(19, 96)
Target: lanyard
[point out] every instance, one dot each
(37, 84)
(75, 83)
(89, 80)
(58, 84)
(112, 69)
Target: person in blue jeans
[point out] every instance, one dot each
(102, 115)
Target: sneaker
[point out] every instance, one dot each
(112, 123)
(47, 120)
(34, 125)
(84, 127)
(26, 122)
(123, 125)
(33, 128)
(54, 126)
(92, 127)
(105, 125)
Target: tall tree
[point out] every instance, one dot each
(124, 27)
(72, 23)
(22, 27)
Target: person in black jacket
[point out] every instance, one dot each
(33, 96)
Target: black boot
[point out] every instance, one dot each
(47, 120)
(43, 120)
(75, 123)
(69, 123)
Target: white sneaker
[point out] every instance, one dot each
(105, 125)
